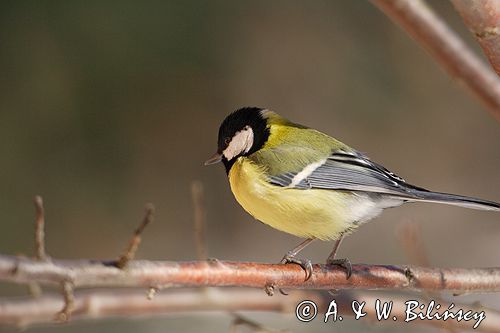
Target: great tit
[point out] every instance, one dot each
(308, 184)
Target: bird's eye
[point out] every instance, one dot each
(227, 141)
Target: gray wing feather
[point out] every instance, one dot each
(348, 171)
(284, 179)
(353, 171)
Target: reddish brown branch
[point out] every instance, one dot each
(446, 47)
(23, 312)
(244, 274)
(112, 303)
(71, 274)
(483, 19)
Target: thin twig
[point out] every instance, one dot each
(143, 273)
(152, 291)
(39, 229)
(200, 219)
(410, 237)
(34, 288)
(448, 49)
(99, 304)
(133, 245)
(240, 320)
(69, 302)
(481, 17)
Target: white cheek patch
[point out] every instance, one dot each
(241, 142)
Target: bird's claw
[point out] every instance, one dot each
(344, 263)
(304, 263)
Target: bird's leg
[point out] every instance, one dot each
(304, 263)
(344, 263)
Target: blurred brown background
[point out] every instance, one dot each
(105, 106)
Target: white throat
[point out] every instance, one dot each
(241, 142)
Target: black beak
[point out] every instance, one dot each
(215, 158)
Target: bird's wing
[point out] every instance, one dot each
(350, 171)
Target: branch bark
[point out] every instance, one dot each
(112, 303)
(482, 17)
(133, 245)
(214, 273)
(24, 312)
(447, 48)
(40, 229)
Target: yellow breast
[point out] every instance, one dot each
(304, 213)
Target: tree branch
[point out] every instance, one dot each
(447, 48)
(200, 219)
(68, 293)
(133, 245)
(155, 275)
(102, 304)
(482, 18)
(85, 273)
(24, 312)
(39, 229)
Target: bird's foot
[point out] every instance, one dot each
(344, 263)
(306, 264)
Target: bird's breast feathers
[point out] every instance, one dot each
(314, 213)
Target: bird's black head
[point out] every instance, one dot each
(242, 133)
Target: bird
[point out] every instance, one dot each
(308, 184)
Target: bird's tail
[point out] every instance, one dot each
(453, 199)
